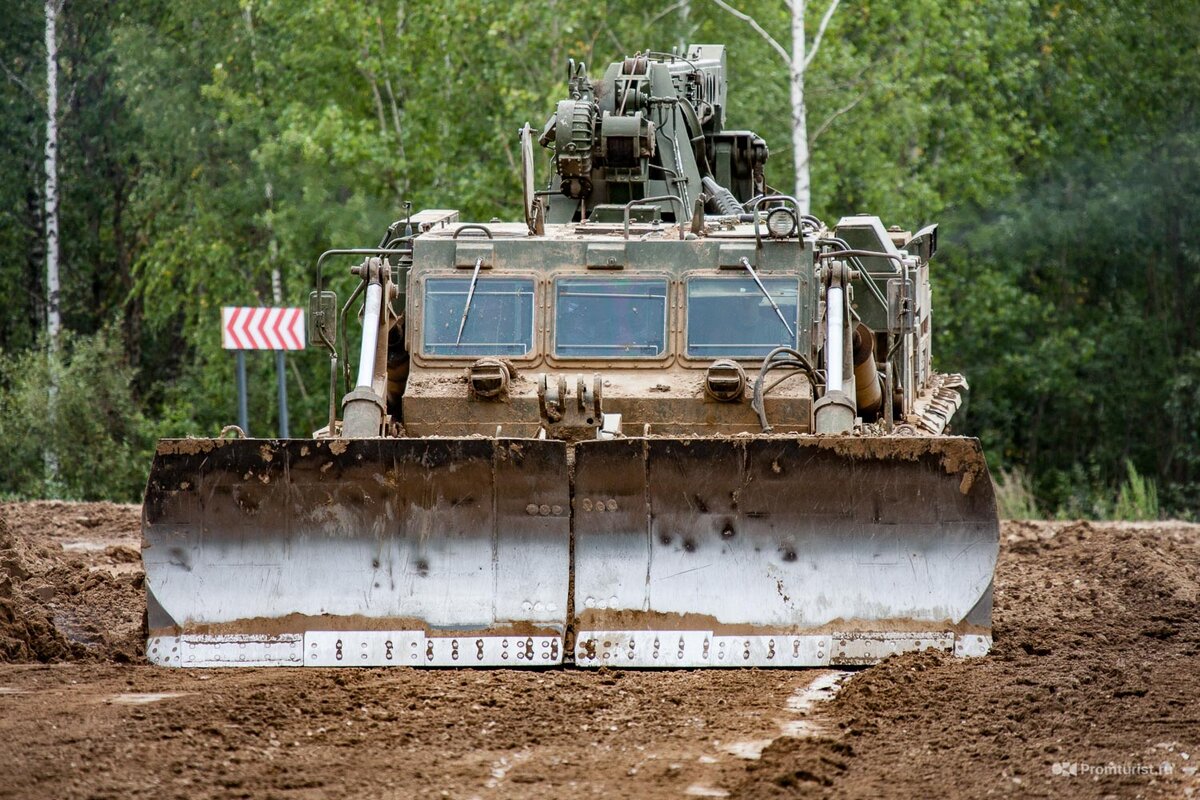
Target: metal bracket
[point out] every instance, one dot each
(551, 398)
(901, 319)
(606, 255)
(557, 412)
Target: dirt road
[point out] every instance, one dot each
(1091, 691)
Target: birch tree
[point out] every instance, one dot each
(53, 315)
(797, 60)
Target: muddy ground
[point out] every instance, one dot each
(1095, 672)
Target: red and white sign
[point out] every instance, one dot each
(245, 328)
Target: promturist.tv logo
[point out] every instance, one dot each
(1076, 768)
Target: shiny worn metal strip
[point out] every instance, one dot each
(666, 649)
(850, 648)
(364, 648)
(972, 645)
(416, 649)
(225, 650)
(691, 649)
(493, 651)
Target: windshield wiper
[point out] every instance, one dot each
(470, 296)
(766, 294)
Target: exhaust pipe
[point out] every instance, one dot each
(867, 391)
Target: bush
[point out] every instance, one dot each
(92, 432)
(1138, 499)
(1014, 495)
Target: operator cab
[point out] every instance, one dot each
(666, 332)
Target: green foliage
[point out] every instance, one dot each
(1086, 495)
(1138, 499)
(206, 145)
(96, 432)
(1081, 492)
(1014, 495)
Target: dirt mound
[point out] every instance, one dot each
(1090, 691)
(1097, 638)
(27, 631)
(70, 582)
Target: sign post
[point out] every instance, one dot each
(279, 329)
(281, 379)
(243, 411)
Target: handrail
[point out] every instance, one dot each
(357, 251)
(861, 254)
(757, 201)
(471, 226)
(657, 199)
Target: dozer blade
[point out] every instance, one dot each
(781, 551)
(372, 552)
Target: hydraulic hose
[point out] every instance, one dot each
(797, 360)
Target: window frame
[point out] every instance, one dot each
(730, 275)
(418, 351)
(631, 362)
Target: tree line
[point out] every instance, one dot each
(208, 151)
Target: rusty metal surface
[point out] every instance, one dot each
(672, 402)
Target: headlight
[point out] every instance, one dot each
(725, 381)
(781, 223)
(488, 377)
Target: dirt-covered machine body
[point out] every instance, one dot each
(666, 421)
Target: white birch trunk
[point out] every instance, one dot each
(273, 247)
(803, 189)
(685, 27)
(797, 62)
(53, 315)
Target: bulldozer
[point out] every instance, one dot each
(667, 420)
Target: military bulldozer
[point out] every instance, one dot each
(667, 419)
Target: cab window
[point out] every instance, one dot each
(733, 318)
(610, 317)
(499, 319)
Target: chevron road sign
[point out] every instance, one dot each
(248, 328)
